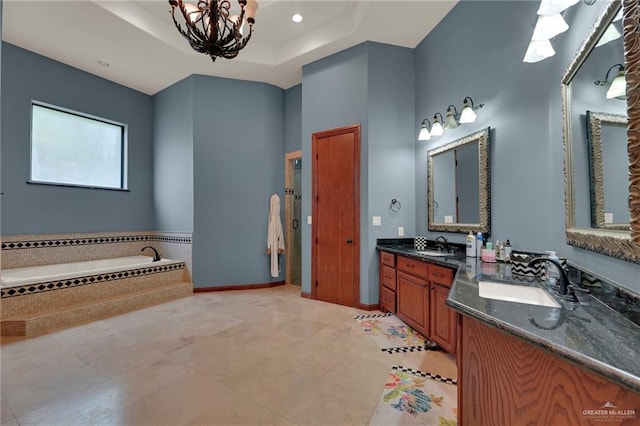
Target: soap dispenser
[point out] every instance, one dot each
(551, 271)
(471, 245)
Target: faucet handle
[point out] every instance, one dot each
(571, 295)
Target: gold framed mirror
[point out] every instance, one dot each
(458, 185)
(607, 137)
(620, 243)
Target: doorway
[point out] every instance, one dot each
(293, 217)
(335, 234)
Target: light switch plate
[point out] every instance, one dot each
(400, 231)
(308, 220)
(376, 221)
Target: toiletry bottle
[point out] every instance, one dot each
(471, 245)
(499, 250)
(478, 244)
(553, 275)
(507, 251)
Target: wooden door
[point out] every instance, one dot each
(335, 274)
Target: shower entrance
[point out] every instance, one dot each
(293, 217)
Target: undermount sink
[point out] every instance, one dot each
(516, 293)
(432, 253)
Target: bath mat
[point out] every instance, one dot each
(392, 335)
(412, 397)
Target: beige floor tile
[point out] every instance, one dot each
(230, 358)
(113, 363)
(181, 401)
(333, 404)
(6, 413)
(53, 388)
(12, 422)
(281, 386)
(239, 411)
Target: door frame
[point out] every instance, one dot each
(289, 157)
(355, 129)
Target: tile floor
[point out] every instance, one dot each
(228, 358)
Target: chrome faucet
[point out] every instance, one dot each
(156, 256)
(564, 283)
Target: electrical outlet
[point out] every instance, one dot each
(376, 221)
(400, 231)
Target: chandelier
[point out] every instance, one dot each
(210, 27)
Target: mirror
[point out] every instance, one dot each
(458, 185)
(607, 136)
(591, 222)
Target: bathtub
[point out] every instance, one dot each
(37, 274)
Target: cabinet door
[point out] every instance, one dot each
(443, 322)
(413, 302)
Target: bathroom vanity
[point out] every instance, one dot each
(520, 363)
(415, 287)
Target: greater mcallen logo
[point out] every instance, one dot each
(609, 413)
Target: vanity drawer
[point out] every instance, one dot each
(440, 275)
(411, 266)
(388, 277)
(388, 300)
(388, 259)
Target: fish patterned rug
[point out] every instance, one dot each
(392, 335)
(412, 397)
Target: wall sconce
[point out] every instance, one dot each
(612, 32)
(547, 27)
(618, 86)
(549, 24)
(551, 7)
(451, 122)
(437, 129)
(468, 114)
(424, 134)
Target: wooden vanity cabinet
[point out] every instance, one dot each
(542, 388)
(443, 324)
(387, 282)
(416, 291)
(413, 293)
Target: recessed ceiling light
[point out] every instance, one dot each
(296, 18)
(103, 63)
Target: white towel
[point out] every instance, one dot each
(275, 239)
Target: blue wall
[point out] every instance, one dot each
(173, 126)
(30, 209)
(293, 118)
(371, 85)
(238, 145)
(523, 108)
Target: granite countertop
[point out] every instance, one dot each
(590, 334)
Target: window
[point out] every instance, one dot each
(70, 148)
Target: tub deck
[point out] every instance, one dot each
(32, 309)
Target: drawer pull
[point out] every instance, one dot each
(409, 266)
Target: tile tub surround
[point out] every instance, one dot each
(46, 306)
(20, 251)
(593, 335)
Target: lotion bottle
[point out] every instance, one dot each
(479, 239)
(471, 245)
